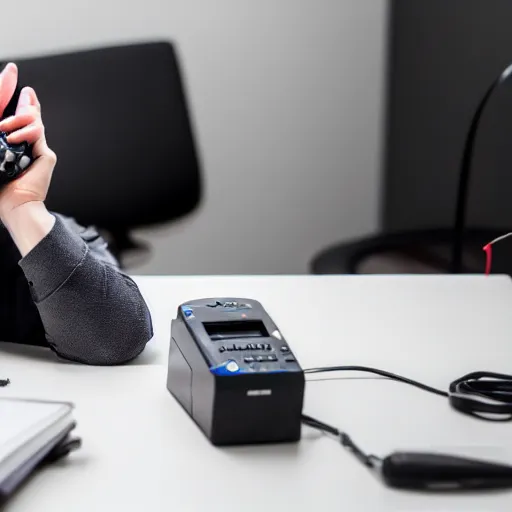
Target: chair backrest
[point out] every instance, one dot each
(118, 120)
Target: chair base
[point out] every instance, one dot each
(417, 252)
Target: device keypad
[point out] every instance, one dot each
(261, 359)
(254, 360)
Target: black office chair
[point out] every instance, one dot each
(456, 250)
(412, 252)
(118, 120)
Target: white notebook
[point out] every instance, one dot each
(26, 427)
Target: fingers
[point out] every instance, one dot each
(8, 81)
(30, 134)
(10, 124)
(27, 111)
(28, 98)
(26, 125)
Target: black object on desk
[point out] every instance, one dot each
(234, 373)
(438, 472)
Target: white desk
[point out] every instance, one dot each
(141, 451)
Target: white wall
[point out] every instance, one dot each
(287, 104)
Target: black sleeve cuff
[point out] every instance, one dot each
(50, 263)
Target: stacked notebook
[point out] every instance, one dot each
(32, 433)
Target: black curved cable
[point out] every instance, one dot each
(465, 174)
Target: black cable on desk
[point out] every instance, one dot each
(382, 373)
(346, 441)
(484, 395)
(476, 394)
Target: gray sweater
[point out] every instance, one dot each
(69, 294)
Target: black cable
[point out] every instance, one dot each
(382, 373)
(476, 394)
(467, 159)
(345, 440)
(481, 393)
(308, 420)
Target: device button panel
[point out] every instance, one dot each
(258, 357)
(266, 363)
(230, 349)
(261, 359)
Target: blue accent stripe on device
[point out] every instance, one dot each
(230, 368)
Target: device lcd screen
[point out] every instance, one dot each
(237, 329)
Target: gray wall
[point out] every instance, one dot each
(445, 54)
(286, 97)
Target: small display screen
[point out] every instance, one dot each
(238, 329)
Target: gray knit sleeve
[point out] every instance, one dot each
(92, 312)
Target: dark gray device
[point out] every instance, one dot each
(234, 373)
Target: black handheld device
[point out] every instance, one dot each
(15, 159)
(233, 372)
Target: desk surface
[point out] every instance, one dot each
(141, 451)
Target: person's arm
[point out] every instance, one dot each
(91, 311)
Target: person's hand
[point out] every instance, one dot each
(25, 126)
(22, 208)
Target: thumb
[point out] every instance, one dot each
(8, 81)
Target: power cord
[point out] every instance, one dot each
(470, 394)
(478, 394)
(368, 460)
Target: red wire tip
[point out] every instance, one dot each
(488, 251)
